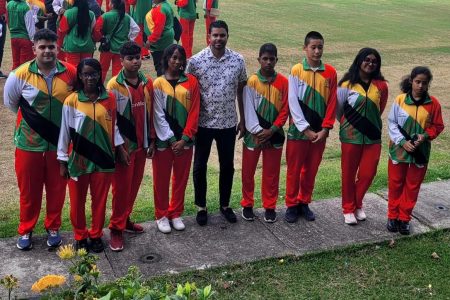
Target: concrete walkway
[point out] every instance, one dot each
(220, 243)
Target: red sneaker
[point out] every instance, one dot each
(133, 227)
(116, 242)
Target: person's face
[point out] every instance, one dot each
(176, 61)
(131, 63)
(420, 84)
(369, 64)
(218, 38)
(267, 62)
(45, 51)
(90, 77)
(314, 51)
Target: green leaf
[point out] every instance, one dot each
(106, 297)
(207, 291)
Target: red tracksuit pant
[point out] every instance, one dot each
(99, 183)
(34, 170)
(140, 41)
(187, 35)
(404, 185)
(105, 60)
(359, 167)
(22, 51)
(75, 58)
(125, 186)
(208, 21)
(270, 176)
(303, 159)
(164, 163)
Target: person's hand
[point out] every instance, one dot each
(420, 140)
(240, 129)
(409, 146)
(178, 147)
(265, 145)
(61, 11)
(321, 136)
(264, 135)
(147, 44)
(310, 135)
(63, 169)
(151, 150)
(122, 156)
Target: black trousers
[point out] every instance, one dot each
(2, 40)
(157, 56)
(225, 142)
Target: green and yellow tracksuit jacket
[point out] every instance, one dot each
(139, 9)
(68, 28)
(187, 9)
(159, 26)
(22, 18)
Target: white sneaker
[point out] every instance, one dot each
(178, 224)
(163, 225)
(360, 215)
(350, 219)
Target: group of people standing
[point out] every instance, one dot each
(71, 129)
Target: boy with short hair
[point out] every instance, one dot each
(312, 105)
(134, 96)
(266, 110)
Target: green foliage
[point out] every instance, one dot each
(9, 282)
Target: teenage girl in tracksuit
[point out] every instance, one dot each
(362, 97)
(187, 9)
(414, 121)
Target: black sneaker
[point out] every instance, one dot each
(202, 217)
(97, 245)
(229, 214)
(82, 244)
(306, 212)
(404, 227)
(3, 75)
(247, 214)
(291, 214)
(392, 225)
(270, 216)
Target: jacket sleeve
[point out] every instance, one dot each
(330, 113)
(436, 125)
(57, 5)
(64, 134)
(159, 20)
(134, 30)
(394, 133)
(162, 128)
(2, 7)
(12, 92)
(64, 27)
(284, 111)
(384, 96)
(190, 129)
(182, 3)
(132, 2)
(294, 107)
(251, 119)
(97, 33)
(342, 98)
(209, 4)
(118, 140)
(149, 100)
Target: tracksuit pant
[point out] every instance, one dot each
(74, 58)
(165, 163)
(34, 170)
(187, 35)
(270, 176)
(2, 39)
(403, 189)
(22, 51)
(98, 183)
(303, 159)
(125, 186)
(208, 21)
(105, 60)
(359, 167)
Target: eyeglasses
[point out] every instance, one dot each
(368, 60)
(93, 75)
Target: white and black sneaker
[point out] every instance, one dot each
(270, 216)
(247, 213)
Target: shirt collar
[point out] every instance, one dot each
(209, 54)
(425, 100)
(306, 66)
(263, 79)
(121, 77)
(83, 98)
(33, 67)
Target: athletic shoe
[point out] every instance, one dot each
(247, 214)
(228, 214)
(178, 224)
(291, 215)
(97, 245)
(163, 225)
(270, 216)
(392, 225)
(133, 227)
(24, 242)
(360, 215)
(306, 212)
(116, 242)
(350, 219)
(3, 75)
(53, 238)
(202, 217)
(82, 244)
(404, 227)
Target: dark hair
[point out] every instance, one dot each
(218, 24)
(353, 72)
(129, 48)
(45, 34)
(406, 85)
(83, 17)
(95, 64)
(313, 35)
(268, 48)
(120, 6)
(168, 52)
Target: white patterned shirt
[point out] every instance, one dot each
(219, 80)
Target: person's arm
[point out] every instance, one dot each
(436, 125)
(159, 20)
(134, 30)
(181, 3)
(384, 96)
(151, 134)
(342, 98)
(242, 78)
(64, 26)
(330, 112)
(295, 110)
(283, 114)
(190, 129)
(98, 32)
(162, 128)
(394, 133)
(58, 7)
(12, 92)
(251, 118)
(63, 142)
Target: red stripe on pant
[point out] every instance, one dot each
(270, 176)
(105, 61)
(404, 185)
(359, 167)
(187, 35)
(303, 159)
(99, 183)
(208, 21)
(22, 51)
(75, 58)
(34, 170)
(140, 41)
(125, 186)
(164, 163)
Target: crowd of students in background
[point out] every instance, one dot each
(72, 130)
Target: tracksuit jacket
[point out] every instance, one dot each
(159, 26)
(22, 19)
(68, 27)
(187, 9)
(139, 9)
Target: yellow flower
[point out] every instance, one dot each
(48, 281)
(9, 282)
(77, 278)
(81, 252)
(66, 252)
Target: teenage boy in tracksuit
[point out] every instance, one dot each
(312, 105)
(266, 110)
(134, 96)
(187, 9)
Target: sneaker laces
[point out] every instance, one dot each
(53, 233)
(26, 236)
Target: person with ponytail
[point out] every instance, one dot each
(362, 97)
(75, 28)
(118, 27)
(414, 121)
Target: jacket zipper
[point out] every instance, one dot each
(95, 120)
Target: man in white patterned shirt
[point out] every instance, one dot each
(222, 76)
